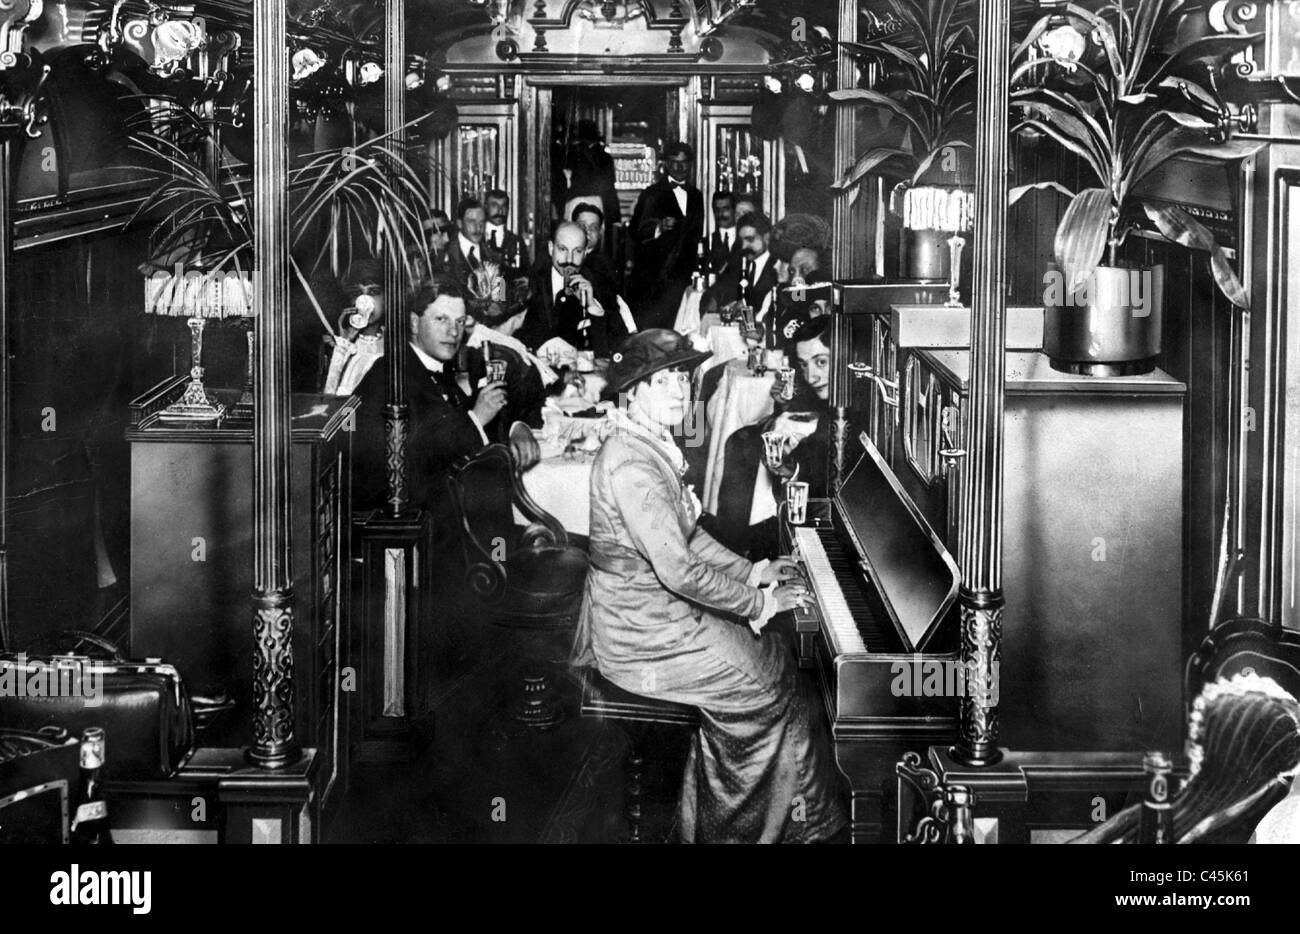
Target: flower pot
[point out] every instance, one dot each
(1110, 326)
(923, 254)
(930, 216)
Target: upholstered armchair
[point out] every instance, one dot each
(1243, 751)
(526, 577)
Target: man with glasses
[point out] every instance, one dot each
(667, 224)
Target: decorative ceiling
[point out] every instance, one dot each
(608, 27)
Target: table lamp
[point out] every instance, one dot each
(197, 296)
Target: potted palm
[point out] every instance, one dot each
(1119, 87)
(925, 99)
(353, 202)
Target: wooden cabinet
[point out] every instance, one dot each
(1092, 543)
(192, 565)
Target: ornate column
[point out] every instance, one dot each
(845, 122)
(18, 113)
(980, 548)
(395, 412)
(6, 250)
(274, 745)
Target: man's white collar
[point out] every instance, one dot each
(431, 364)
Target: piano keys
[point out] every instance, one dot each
(886, 591)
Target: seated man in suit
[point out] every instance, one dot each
(590, 218)
(445, 421)
(567, 302)
(746, 519)
(466, 251)
(755, 266)
(500, 245)
(723, 244)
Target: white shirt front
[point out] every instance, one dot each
(436, 366)
(679, 192)
(760, 263)
(496, 233)
(728, 235)
(466, 245)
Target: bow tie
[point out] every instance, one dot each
(676, 184)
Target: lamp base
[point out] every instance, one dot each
(244, 407)
(194, 405)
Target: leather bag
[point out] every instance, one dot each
(143, 707)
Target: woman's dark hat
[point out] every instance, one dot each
(647, 352)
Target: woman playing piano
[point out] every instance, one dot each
(670, 613)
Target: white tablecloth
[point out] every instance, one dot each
(741, 399)
(561, 485)
(688, 312)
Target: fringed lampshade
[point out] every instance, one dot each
(935, 215)
(197, 296)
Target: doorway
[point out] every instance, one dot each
(590, 128)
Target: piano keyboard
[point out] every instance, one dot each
(838, 624)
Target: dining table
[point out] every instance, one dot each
(560, 482)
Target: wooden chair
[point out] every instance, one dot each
(530, 578)
(604, 700)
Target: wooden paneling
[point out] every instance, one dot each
(1196, 351)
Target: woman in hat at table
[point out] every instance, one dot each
(669, 613)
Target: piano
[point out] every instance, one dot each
(883, 633)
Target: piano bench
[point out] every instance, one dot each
(604, 700)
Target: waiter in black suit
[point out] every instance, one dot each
(724, 245)
(667, 223)
(754, 265)
(569, 302)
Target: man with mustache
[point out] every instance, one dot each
(755, 266)
(566, 302)
(502, 246)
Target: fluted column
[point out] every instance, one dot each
(845, 121)
(395, 412)
(980, 547)
(274, 745)
(6, 251)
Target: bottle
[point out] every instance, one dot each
(91, 822)
(1156, 821)
(702, 264)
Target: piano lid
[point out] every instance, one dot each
(903, 558)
